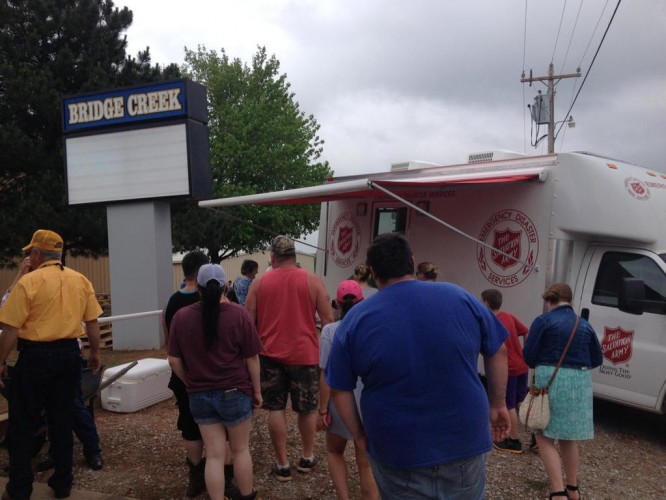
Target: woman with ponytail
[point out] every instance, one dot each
(214, 348)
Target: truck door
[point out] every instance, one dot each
(633, 345)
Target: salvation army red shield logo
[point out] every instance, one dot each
(617, 345)
(345, 240)
(637, 188)
(508, 242)
(510, 239)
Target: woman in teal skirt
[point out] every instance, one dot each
(570, 394)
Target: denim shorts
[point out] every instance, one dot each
(460, 480)
(220, 407)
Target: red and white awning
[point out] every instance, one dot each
(401, 184)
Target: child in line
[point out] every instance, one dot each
(348, 294)
(516, 387)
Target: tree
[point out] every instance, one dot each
(259, 141)
(50, 49)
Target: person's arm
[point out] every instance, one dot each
(93, 334)
(345, 403)
(165, 329)
(497, 374)
(324, 397)
(251, 300)
(24, 269)
(323, 302)
(596, 356)
(177, 366)
(253, 366)
(532, 342)
(7, 338)
(521, 329)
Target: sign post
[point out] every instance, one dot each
(135, 149)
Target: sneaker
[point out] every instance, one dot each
(305, 465)
(281, 474)
(510, 445)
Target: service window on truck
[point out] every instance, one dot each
(390, 220)
(617, 265)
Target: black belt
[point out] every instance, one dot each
(28, 345)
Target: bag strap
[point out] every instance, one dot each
(564, 353)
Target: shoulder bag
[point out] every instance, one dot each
(534, 411)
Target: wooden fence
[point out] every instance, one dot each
(97, 271)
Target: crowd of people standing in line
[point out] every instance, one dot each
(394, 351)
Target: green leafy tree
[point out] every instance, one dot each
(50, 49)
(259, 141)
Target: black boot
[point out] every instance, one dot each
(230, 489)
(196, 483)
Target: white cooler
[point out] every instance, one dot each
(144, 385)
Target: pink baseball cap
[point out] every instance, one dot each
(349, 287)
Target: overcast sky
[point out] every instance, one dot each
(430, 80)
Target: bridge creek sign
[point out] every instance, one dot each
(146, 142)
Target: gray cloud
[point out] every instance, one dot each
(390, 80)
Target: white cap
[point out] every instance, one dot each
(209, 272)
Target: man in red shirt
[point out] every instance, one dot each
(516, 387)
(283, 303)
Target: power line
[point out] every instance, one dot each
(591, 64)
(593, 32)
(559, 28)
(573, 31)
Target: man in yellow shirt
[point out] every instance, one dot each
(43, 313)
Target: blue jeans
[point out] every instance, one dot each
(461, 480)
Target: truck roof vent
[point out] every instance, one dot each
(493, 156)
(411, 165)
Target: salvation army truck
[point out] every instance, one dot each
(517, 223)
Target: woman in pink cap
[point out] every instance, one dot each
(349, 293)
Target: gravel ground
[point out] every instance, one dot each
(143, 458)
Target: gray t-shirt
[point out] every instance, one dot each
(337, 427)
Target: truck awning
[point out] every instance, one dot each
(402, 183)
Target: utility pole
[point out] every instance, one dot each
(551, 99)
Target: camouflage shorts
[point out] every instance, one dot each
(279, 380)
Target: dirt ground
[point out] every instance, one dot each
(144, 458)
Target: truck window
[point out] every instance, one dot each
(617, 265)
(390, 220)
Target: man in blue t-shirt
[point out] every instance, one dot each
(415, 345)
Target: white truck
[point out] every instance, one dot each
(518, 223)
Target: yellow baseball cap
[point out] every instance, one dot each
(45, 240)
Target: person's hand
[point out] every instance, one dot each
(500, 422)
(324, 421)
(257, 399)
(4, 373)
(93, 361)
(24, 267)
